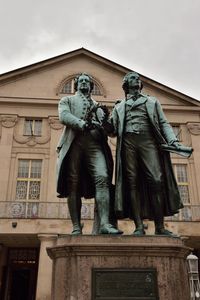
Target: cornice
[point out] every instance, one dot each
(29, 100)
(180, 108)
(118, 249)
(54, 102)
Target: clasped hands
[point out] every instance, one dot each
(91, 125)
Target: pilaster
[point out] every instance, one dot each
(44, 279)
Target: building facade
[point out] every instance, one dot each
(31, 215)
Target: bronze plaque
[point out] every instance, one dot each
(126, 284)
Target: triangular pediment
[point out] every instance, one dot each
(42, 79)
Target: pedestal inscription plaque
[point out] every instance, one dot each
(126, 284)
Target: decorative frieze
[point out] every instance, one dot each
(43, 210)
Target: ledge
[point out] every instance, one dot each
(99, 245)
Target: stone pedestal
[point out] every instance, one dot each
(74, 258)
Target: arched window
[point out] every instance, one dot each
(96, 90)
(68, 88)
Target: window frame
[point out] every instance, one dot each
(186, 213)
(28, 179)
(72, 87)
(33, 121)
(182, 183)
(97, 89)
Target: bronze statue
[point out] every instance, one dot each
(145, 183)
(85, 164)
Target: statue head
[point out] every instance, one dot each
(132, 81)
(84, 83)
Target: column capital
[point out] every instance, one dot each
(47, 237)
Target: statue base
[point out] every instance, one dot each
(119, 267)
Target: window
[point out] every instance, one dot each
(23, 255)
(182, 180)
(181, 175)
(33, 127)
(69, 88)
(96, 90)
(28, 179)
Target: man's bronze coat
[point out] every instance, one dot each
(163, 134)
(72, 111)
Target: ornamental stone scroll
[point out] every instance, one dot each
(194, 128)
(7, 121)
(55, 123)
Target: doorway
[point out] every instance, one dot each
(21, 274)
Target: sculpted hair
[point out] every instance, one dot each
(125, 85)
(77, 78)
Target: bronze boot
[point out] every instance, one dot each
(135, 210)
(102, 199)
(74, 206)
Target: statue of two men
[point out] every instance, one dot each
(145, 186)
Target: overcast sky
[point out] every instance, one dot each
(157, 38)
